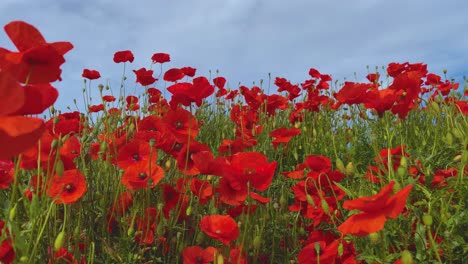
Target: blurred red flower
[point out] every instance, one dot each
(198, 255)
(173, 75)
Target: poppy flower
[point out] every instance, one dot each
(144, 77)
(96, 108)
(7, 252)
(220, 227)
(187, 93)
(352, 93)
(181, 123)
(250, 167)
(38, 97)
(174, 198)
(142, 175)
(188, 71)
(283, 135)
(69, 151)
(161, 58)
(134, 152)
(185, 163)
(375, 210)
(198, 255)
(18, 133)
(123, 56)
(68, 188)
(12, 94)
(6, 173)
(36, 61)
(91, 74)
(219, 82)
(146, 226)
(108, 98)
(173, 75)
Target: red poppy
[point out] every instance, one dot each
(353, 93)
(7, 252)
(250, 167)
(283, 135)
(18, 133)
(161, 58)
(37, 60)
(219, 82)
(198, 255)
(142, 175)
(174, 198)
(108, 98)
(181, 123)
(6, 174)
(96, 108)
(38, 97)
(220, 227)
(91, 74)
(146, 226)
(123, 56)
(68, 188)
(144, 77)
(189, 71)
(202, 189)
(134, 152)
(185, 163)
(186, 93)
(375, 211)
(69, 151)
(12, 94)
(173, 75)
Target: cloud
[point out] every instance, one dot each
(246, 40)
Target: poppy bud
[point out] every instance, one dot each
(23, 259)
(59, 240)
(406, 257)
(12, 214)
(59, 168)
(257, 242)
(374, 238)
(340, 249)
(130, 231)
(340, 165)
(464, 157)
(188, 211)
(349, 170)
(325, 206)
(457, 133)
(401, 171)
(220, 259)
(427, 219)
(449, 138)
(435, 107)
(457, 158)
(309, 199)
(404, 162)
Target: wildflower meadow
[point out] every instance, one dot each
(189, 169)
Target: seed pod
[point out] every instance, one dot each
(309, 199)
(59, 168)
(188, 211)
(220, 259)
(401, 171)
(325, 206)
(449, 138)
(404, 162)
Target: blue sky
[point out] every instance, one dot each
(247, 39)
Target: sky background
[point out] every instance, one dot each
(246, 39)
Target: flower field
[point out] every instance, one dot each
(190, 170)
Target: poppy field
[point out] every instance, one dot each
(189, 169)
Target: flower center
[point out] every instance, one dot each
(69, 187)
(179, 125)
(142, 175)
(136, 157)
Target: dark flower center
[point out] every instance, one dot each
(136, 157)
(69, 188)
(142, 175)
(179, 125)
